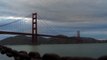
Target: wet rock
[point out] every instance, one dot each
(3, 51)
(9, 53)
(66, 58)
(77, 58)
(102, 58)
(15, 53)
(51, 57)
(23, 55)
(34, 55)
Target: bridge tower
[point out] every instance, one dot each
(34, 28)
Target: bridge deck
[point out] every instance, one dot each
(20, 33)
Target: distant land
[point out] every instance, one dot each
(25, 40)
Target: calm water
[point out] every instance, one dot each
(81, 50)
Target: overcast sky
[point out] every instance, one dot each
(66, 16)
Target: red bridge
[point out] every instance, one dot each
(34, 30)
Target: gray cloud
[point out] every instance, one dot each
(57, 10)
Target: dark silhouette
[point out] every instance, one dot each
(23, 55)
(77, 58)
(50, 57)
(102, 58)
(34, 55)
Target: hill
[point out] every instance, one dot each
(20, 40)
(26, 40)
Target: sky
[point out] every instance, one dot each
(56, 16)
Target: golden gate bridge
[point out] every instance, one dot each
(34, 33)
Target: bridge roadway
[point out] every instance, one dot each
(20, 33)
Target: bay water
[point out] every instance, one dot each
(75, 50)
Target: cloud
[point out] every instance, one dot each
(57, 10)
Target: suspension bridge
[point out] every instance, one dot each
(34, 28)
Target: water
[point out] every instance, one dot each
(82, 50)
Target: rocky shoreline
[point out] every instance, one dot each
(23, 55)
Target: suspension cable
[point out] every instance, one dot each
(10, 23)
(46, 26)
(49, 26)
